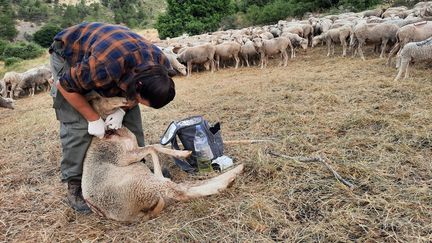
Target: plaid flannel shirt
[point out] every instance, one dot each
(103, 57)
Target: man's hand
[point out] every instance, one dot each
(97, 128)
(115, 120)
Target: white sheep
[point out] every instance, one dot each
(414, 51)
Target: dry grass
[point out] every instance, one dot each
(376, 132)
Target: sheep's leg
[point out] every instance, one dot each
(139, 153)
(344, 48)
(247, 61)
(33, 88)
(328, 48)
(407, 70)
(402, 68)
(217, 62)
(360, 51)
(237, 59)
(383, 48)
(285, 57)
(189, 68)
(212, 65)
(333, 48)
(392, 53)
(207, 187)
(262, 60)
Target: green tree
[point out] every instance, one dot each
(192, 16)
(8, 30)
(44, 36)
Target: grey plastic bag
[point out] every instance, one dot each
(185, 131)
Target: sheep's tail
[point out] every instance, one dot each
(190, 190)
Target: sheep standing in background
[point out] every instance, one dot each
(296, 42)
(413, 51)
(172, 57)
(382, 33)
(227, 50)
(11, 80)
(3, 90)
(200, 54)
(32, 78)
(339, 35)
(410, 33)
(272, 47)
(248, 51)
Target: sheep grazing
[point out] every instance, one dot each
(11, 80)
(410, 33)
(413, 51)
(268, 48)
(8, 103)
(296, 42)
(172, 58)
(32, 78)
(116, 185)
(200, 54)
(227, 50)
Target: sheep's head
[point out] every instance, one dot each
(257, 43)
(304, 43)
(7, 103)
(315, 41)
(182, 69)
(105, 106)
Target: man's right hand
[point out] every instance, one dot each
(97, 128)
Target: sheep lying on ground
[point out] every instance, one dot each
(413, 51)
(7, 103)
(117, 185)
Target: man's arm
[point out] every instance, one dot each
(79, 102)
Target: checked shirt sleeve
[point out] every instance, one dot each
(85, 76)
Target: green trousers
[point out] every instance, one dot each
(74, 137)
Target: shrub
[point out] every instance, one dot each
(44, 36)
(193, 17)
(12, 60)
(23, 50)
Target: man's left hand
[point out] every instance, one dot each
(115, 120)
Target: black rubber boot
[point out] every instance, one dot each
(75, 197)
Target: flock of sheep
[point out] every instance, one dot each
(400, 31)
(397, 30)
(14, 84)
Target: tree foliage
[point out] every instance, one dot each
(272, 11)
(44, 36)
(8, 30)
(192, 16)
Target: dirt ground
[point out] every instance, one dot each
(375, 132)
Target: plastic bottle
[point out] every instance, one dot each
(203, 150)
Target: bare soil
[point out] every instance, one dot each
(375, 132)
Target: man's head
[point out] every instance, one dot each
(153, 86)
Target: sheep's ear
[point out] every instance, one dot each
(93, 96)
